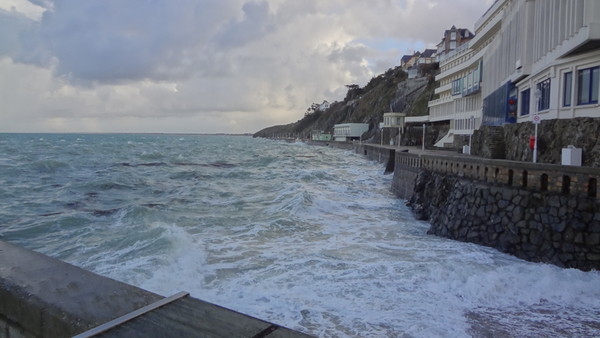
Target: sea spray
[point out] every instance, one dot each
(307, 237)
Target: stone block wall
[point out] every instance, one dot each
(545, 227)
(538, 212)
(511, 141)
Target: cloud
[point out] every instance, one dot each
(114, 41)
(255, 24)
(236, 65)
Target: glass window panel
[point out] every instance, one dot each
(544, 91)
(525, 102)
(568, 85)
(583, 87)
(594, 85)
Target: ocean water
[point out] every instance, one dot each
(307, 237)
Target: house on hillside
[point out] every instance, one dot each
(404, 61)
(453, 38)
(410, 61)
(428, 56)
(324, 106)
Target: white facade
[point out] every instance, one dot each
(349, 131)
(320, 135)
(393, 120)
(460, 100)
(549, 50)
(527, 56)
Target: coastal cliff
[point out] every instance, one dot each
(390, 90)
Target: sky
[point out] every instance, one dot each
(201, 66)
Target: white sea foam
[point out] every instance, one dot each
(307, 237)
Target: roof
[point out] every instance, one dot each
(463, 32)
(406, 58)
(428, 53)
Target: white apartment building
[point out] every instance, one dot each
(527, 57)
(460, 100)
(547, 54)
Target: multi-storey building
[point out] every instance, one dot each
(527, 57)
(546, 57)
(459, 100)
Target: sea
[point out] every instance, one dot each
(307, 237)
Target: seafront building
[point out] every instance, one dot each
(459, 102)
(320, 135)
(547, 55)
(528, 57)
(394, 120)
(349, 131)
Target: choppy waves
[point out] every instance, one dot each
(308, 237)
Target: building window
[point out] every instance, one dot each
(457, 86)
(525, 101)
(587, 87)
(543, 98)
(568, 85)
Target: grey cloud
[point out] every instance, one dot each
(188, 60)
(19, 39)
(348, 54)
(10, 27)
(111, 41)
(255, 23)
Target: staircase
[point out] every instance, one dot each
(446, 141)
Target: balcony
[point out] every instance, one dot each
(439, 101)
(443, 88)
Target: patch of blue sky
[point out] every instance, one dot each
(389, 43)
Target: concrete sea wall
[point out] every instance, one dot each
(541, 227)
(538, 212)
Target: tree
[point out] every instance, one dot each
(312, 109)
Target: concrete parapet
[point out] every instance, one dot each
(44, 297)
(566, 180)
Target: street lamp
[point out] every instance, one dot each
(400, 122)
(536, 121)
(472, 127)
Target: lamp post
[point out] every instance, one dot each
(400, 120)
(536, 121)
(423, 142)
(472, 127)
